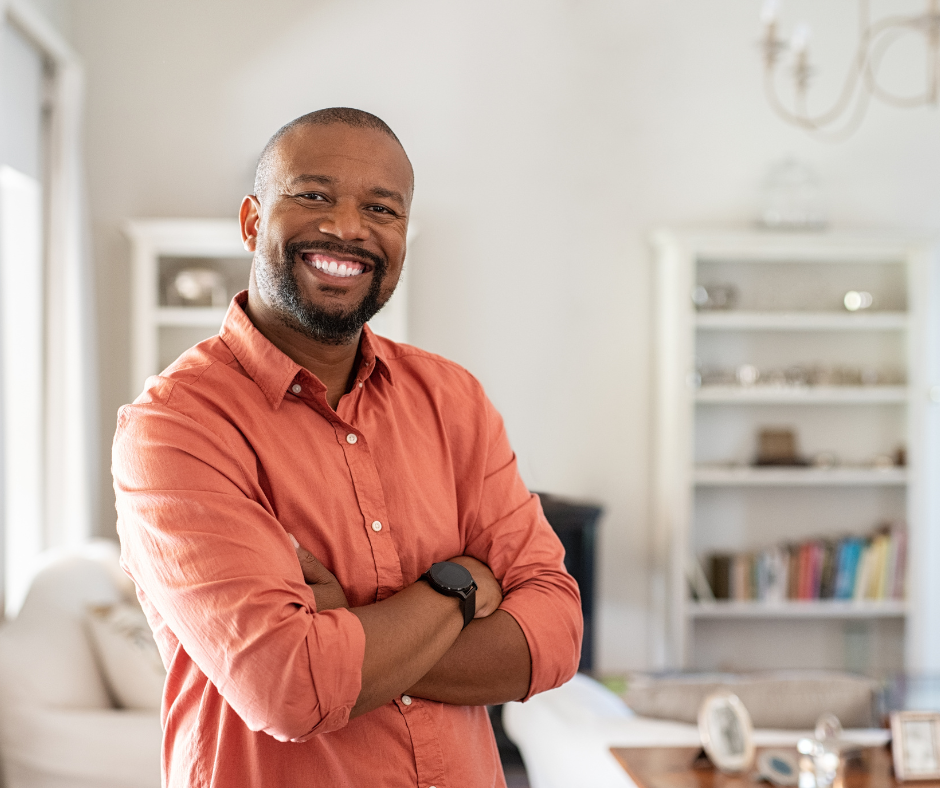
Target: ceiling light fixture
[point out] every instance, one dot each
(861, 82)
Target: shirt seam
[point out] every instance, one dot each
(246, 477)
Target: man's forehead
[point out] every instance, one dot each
(311, 152)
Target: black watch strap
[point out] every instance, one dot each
(452, 579)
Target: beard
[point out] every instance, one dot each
(329, 326)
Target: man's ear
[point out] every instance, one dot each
(249, 215)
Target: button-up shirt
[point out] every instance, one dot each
(233, 448)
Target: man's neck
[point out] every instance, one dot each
(332, 364)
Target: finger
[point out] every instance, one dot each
(314, 571)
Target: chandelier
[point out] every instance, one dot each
(861, 82)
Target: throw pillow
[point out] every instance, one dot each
(127, 655)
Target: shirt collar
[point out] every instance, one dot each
(271, 369)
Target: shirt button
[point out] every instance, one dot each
(406, 699)
(297, 388)
(351, 438)
(376, 526)
(360, 384)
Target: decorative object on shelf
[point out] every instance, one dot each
(861, 82)
(198, 287)
(915, 745)
(777, 447)
(727, 734)
(791, 198)
(715, 296)
(747, 374)
(779, 767)
(856, 300)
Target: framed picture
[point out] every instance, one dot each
(726, 732)
(915, 745)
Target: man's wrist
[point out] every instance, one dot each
(452, 579)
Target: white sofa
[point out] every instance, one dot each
(565, 735)
(59, 727)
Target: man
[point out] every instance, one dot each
(428, 582)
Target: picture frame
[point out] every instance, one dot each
(915, 745)
(726, 731)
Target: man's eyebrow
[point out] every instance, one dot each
(388, 194)
(326, 180)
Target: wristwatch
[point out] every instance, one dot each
(452, 579)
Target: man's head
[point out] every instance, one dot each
(327, 223)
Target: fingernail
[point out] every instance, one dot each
(294, 541)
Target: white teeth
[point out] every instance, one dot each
(337, 269)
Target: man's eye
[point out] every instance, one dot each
(379, 209)
(312, 196)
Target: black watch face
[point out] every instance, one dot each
(451, 575)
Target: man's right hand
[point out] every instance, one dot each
(489, 593)
(326, 588)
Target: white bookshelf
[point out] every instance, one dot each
(707, 495)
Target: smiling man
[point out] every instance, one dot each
(327, 529)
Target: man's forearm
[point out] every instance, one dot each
(406, 635)
(489, 663)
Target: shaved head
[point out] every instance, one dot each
(346, 116)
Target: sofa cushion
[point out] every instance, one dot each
(787, 699)
(127, 655)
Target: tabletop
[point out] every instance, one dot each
(677, 767)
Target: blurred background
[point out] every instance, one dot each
(549, 138)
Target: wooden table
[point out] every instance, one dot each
(673, 767)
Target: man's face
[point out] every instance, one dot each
(329, 231)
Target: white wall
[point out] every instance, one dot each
(547, 136)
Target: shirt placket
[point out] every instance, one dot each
(368, 488)
(429, 757)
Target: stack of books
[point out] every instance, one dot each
(851, 568)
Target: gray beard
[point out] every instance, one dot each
(331, 327)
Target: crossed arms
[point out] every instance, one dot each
(415, 643)
(232, 608)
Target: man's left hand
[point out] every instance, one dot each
(326, 588)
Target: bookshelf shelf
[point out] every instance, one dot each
(819, 609)
(801, 321)
(723, 476)
(830, 395)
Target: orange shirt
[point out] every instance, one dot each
(234, 447)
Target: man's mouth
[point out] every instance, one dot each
(334, 267)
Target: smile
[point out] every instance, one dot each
(334, 267)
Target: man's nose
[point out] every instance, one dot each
(344, 222)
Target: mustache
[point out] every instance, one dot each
(334, 247)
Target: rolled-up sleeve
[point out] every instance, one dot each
(202, 544)
(508, 531)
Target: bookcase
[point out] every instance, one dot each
(160, 250)
(833, 341)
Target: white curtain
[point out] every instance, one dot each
(61, 510)
(71, 363)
